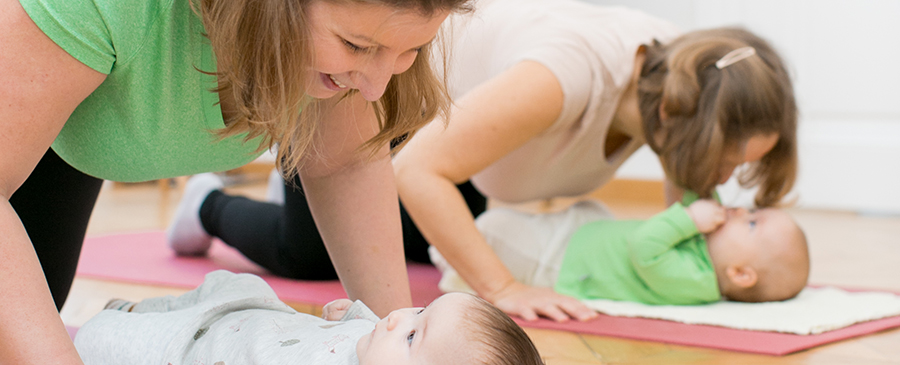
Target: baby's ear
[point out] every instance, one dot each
(741, 276)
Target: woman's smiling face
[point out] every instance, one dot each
(360, 46)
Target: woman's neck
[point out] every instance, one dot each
(627, 119)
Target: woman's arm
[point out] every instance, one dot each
(40, 86)
(488, 123)
(354, 202)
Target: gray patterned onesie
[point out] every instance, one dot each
(231, 319)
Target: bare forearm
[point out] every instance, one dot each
(31, 331)
(358, 216)
(441, 214)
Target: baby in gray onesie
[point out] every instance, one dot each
(236, 319)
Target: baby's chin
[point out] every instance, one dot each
(715, 252)
(361, 347)
(712, 238)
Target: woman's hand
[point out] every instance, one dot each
(530, 302)
(335, 309)
(706, 214)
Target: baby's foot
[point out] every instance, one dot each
(119, 305)
(186, 235)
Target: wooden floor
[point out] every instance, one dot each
(847, 250)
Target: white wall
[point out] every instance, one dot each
(845, 59)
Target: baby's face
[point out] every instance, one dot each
(746, 232)
(428, 335)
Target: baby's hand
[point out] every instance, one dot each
(334, 310)
(706, 214)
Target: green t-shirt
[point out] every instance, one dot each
(154, 114)
(663, 260)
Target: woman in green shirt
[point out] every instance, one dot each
(133, 90)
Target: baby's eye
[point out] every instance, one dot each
(752, 224)
(410, 338)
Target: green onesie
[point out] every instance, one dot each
(153, 115)
(663, 260)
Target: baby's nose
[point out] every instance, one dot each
(392, 320)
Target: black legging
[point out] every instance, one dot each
(56, 201)
(55, 204)
(285, 240)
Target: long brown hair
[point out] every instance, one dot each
(711, 112)
(263, 48)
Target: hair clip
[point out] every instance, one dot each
(734, 56)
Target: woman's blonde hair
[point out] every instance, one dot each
(711, 112)
(263, 50)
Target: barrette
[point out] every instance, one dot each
(734, 56)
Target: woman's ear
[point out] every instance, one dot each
(660, 135)
(663, 116)
(741, 276)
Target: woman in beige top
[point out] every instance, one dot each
(552, 97)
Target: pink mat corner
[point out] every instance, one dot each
(766, 343)
(144, 258)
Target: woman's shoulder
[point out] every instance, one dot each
(568, 36)
(98, 32)
(114, 15)
(575, 15)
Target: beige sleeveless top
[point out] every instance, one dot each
(591, 51)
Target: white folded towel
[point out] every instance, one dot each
(814, 311)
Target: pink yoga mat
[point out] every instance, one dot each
(144, 258)
(766, 343)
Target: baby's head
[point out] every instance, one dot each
(759, 256)
(456, 328)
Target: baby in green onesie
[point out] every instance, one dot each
(684, 255)
(688, 255)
